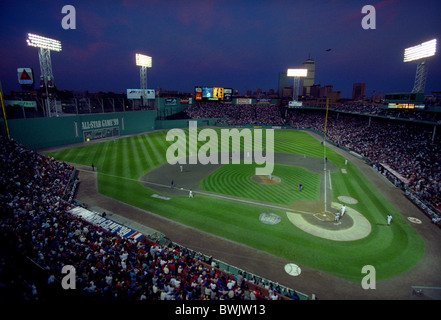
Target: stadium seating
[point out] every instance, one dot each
(405, 146)
(35, 222)
(262, 114)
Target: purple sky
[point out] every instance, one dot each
(238, 44)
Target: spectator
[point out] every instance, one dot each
(107, 266)
(406, 147)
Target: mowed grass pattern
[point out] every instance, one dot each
(391, 250)
(236, 180)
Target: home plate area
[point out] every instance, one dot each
(352, 226)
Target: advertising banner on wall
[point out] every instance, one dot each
(243, 101)
(138, 93)
(198, 93)
(107, 224)
(171, 101)
(263, 101)
(228, 94)
(21, 103)
(186, 100)
(295, 104)
(25, 76)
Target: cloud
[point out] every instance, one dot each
(92, 23)
(88, 54)
(203, 14)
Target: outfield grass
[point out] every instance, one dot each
(391, 250)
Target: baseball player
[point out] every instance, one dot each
(190, 194)
(389, 219)
(343, 210)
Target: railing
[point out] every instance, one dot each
(69, 191)
(284, 292)
(228, 270)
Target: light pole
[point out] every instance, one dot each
(46, 45)
(144, 62)
(420, 53)
(296, 74)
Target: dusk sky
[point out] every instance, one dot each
(237, 44)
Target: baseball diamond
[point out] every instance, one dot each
(219, 156)
(229, 199)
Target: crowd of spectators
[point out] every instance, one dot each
(36, 223)
(405, 147)
(237, 114)
(35, 219)
(412, 115)
(358, 108)
(270, 114)
(432, 100)
(377, 110)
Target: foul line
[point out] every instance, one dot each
(330, 183)
(324, 168)
(213, 195)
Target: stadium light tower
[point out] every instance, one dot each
(296, 74)
(144, 62)
(46, 45)
(420, 53)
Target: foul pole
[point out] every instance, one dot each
(326, 118)
(4, 110)
(324, 156)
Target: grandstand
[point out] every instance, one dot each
(273, 199)
(41, 226)
(39, 192)
(379, 135)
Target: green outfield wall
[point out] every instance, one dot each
(43, 133)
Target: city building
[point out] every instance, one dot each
(308, 81)
(319, 96)
(358, 91)
(283, 83)
(287, 92)
(317, 91)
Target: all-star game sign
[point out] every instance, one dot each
(25, 76)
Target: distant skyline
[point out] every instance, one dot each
(238, 44)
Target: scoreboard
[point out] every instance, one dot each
(405, 106)
(218, 93)
(407, 100)
(213, 94)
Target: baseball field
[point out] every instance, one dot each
(232, 202)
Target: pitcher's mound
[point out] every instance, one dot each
(264, 179)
